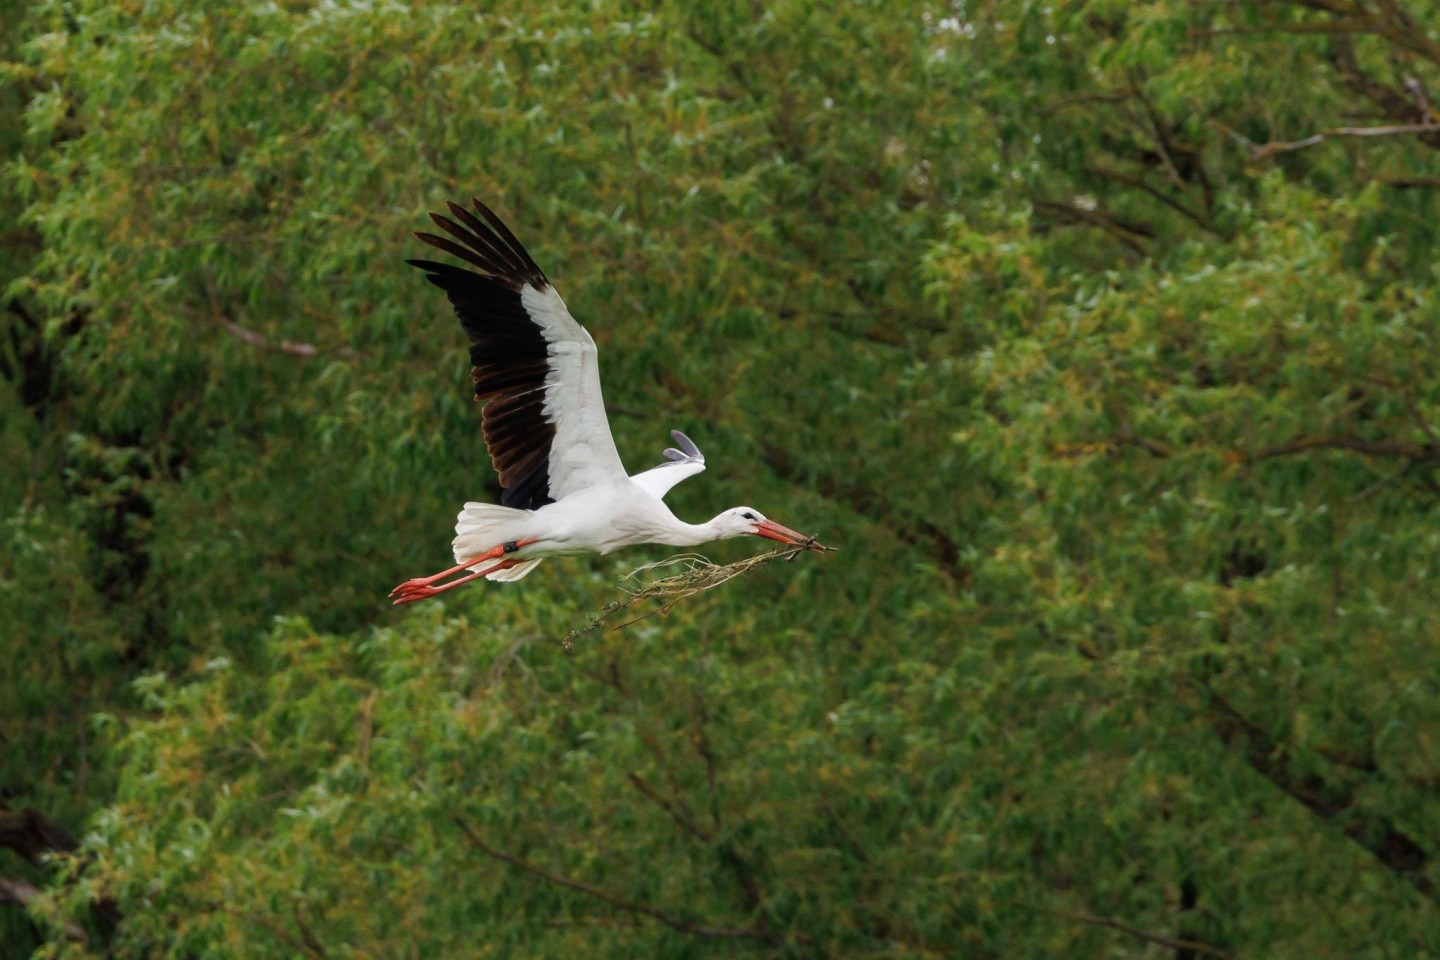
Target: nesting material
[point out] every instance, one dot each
(688, 574)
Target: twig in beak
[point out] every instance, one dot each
(697, 576)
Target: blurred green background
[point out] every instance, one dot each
(1100, 337)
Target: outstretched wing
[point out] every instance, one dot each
(679, 465)
(535, 368)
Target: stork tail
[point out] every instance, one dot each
(485, 526)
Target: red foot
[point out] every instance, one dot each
(419, 591)
(421, 587)
(408, 586)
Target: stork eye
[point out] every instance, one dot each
(749, 516)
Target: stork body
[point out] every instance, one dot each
(564, 489)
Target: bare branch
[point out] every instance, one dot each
(17, 891)
(291, 348)
(620, 903)
(1264, 150)
(23, 892)
(220, 315)
(1233, 134)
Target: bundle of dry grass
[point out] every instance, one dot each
(695, 574)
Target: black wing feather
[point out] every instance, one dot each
(508, 353)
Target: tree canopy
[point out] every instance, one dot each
(1099, 337)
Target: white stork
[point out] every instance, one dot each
(564, 490)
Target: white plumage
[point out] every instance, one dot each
(536, 372)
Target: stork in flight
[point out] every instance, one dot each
(564, 490)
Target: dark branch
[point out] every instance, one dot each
(679, 924)
(1370, 448)
(1076, 211)
(862, 499)
(673, 809)
(1414, 452)
(1393, 103)
(1117, 176)
(1371, 831)
(1174, 943)
(1411, 183)
(308, 937)
(31, 835)
(298, 945)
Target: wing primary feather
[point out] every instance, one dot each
(509, 238)
(487, 237)
(440, 269)
(532, 364)
(464, 253)
(500, 263)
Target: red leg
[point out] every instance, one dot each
(426, 581)
(423, 590)
(422, 583)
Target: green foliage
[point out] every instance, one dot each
(1116, 387)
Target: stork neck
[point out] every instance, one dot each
(678, 533)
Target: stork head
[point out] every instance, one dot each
(743, 521)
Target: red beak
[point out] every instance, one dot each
(774, 531)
